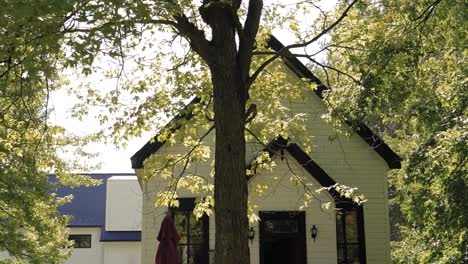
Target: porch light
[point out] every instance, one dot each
(251, 234)
(314, 232)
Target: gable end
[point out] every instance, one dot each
(374, 141)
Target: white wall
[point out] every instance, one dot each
(352, 162)
(122, 252)
(348, 161)
(123, 213)
(283, 195)
(104, 252)
(123, 204)
(93, 255)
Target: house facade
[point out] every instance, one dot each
(106, 220)
(287, 232)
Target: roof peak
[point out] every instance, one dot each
(374, 141)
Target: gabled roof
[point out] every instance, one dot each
(373, 140)
(88, 208)
(280, 144)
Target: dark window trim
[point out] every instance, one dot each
(269, 215)
(187, 205)
(76, 237)
(347, 206)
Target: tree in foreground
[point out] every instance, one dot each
(162, 54)
(167, 53)
(31, 228)
(403, 69)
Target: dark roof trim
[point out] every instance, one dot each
(120, 236)
(277, 146)
(374, 141)
(280, 144)
(154, 145)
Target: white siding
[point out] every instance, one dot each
(283, 195)
(351, 161)
(348, 161)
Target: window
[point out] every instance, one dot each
(80, 241)
(193, 244)
(350, 235)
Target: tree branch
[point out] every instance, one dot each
(247, 41)
(424, 16)
(286, 49)
(195, 36)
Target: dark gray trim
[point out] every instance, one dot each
(361, 228)
(280, 144)
(300, 236)
(154, 145)
(374, 141)
(187, 205)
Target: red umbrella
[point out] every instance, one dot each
(168, 239)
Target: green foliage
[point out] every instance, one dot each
(31, 228)
(157, 73)
(402, 68)
(157, 69)
(158, 53)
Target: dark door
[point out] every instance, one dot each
(282, 237)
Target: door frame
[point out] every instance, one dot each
(267, 215)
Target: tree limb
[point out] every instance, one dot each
(247, 43)
(195, 36)
(286, 49)
(424, 16)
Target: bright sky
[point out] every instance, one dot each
(115, 160)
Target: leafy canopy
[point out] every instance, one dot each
(401, 66)
(31, 228)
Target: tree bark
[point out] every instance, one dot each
(229, 98)
(231, 195)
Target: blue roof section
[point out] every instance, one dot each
(120, 236)
(88, 208)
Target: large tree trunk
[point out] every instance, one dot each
(229, 97)
(231, 244)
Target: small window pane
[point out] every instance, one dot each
(339, 227)
(281, 226)
(341, 255)
(351, 227)
(182, 250)
(196, 230)
(180, 220)
(352, 253)
(80, 241)
(197, 254)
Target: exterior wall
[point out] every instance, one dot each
(123, 204)
(93, 255)
(122, 253)
(153, 216)
(104, 252)
(281, 196)
(284, 195)
(349, 161)
(352, 162)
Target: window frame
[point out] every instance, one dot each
(344, 207)
(79, 237)
(187, 205)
